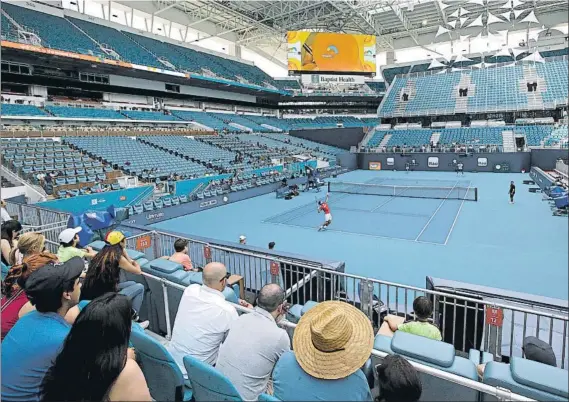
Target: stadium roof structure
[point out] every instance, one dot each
(264, 23)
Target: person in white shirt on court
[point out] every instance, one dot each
(203, 318)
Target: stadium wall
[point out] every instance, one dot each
(338, 137)
(348, 161)
(164, 214)
(96, 202)
(547, 158)
(479, 162)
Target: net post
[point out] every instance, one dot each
(475, 193)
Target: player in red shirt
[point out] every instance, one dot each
(323, 206)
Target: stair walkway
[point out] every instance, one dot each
(509, 141)
(409, 89)
(435, 137)
(461, 105)
(535, 99)
(385, 140)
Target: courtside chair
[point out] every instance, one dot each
(163, 376)
(208, 384)
(267, 398)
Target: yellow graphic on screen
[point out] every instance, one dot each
(331, 52)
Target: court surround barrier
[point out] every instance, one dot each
(498, 392)
(466, 320)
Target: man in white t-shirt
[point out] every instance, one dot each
(203, 318)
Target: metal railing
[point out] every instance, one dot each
(35, 216)
(464, 318)
(498, 392)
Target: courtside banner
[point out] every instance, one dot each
(330, 52)
(375, 166)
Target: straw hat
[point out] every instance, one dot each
(332, 340)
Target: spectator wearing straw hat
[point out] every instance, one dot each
(332, 341)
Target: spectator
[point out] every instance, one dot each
(423, 309)
(534, 349)
(398, 380)
(203, 318)
(33, 343)
(242, 239)
(103, 325)
(4, 215)
(9, 239)
(28, 244)
(106, 273)
(181, 255)
(15, 299)
(332, 341)
(68, 241)
(255, 343)
(272, 245)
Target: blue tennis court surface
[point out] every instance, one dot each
(520, 247)
(405, 217)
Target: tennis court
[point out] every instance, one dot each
(488, 242)
(408, 209)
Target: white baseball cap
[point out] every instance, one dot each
(68, 234)
(242, 237)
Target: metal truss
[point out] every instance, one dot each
(265, 22)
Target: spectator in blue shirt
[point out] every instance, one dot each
(30, 347)
(332, 341)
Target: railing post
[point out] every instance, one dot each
(20, 213)
(166, 310)
(38, 213)
(366, 298)
(155, 245)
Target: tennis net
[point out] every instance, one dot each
(449, 193)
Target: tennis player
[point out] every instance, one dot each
(460, 168)
(323, 206)
(512, 192)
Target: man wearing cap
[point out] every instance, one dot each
(35, 340)
(68, 241)
(331, 342)
(242, 239)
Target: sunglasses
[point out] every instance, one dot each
(226, 277)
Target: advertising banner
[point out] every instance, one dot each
(331, 52)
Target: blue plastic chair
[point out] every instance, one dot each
(208, 384)
(163, 376)
(267, 398)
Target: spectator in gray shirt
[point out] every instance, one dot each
(255, 343)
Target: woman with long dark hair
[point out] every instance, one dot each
(9, 234)
(94, 363)
(104, 273)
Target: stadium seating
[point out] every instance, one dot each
(288, 84)
(415, 137)
(490, 89)
(208, 384)
(204, 119)
(82, 112)
(126, 48)
(557, 136)
(241, 120)
(21, 110)
(307, 144)
(436, 354)
(141, 157)
(145, 115)
(75, 173)
(272, 121)
(376, 86)
(55, 32)
(6, 27)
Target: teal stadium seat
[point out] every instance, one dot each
(163, 376)
(208, 384)
(436, 354)
(528, 378)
